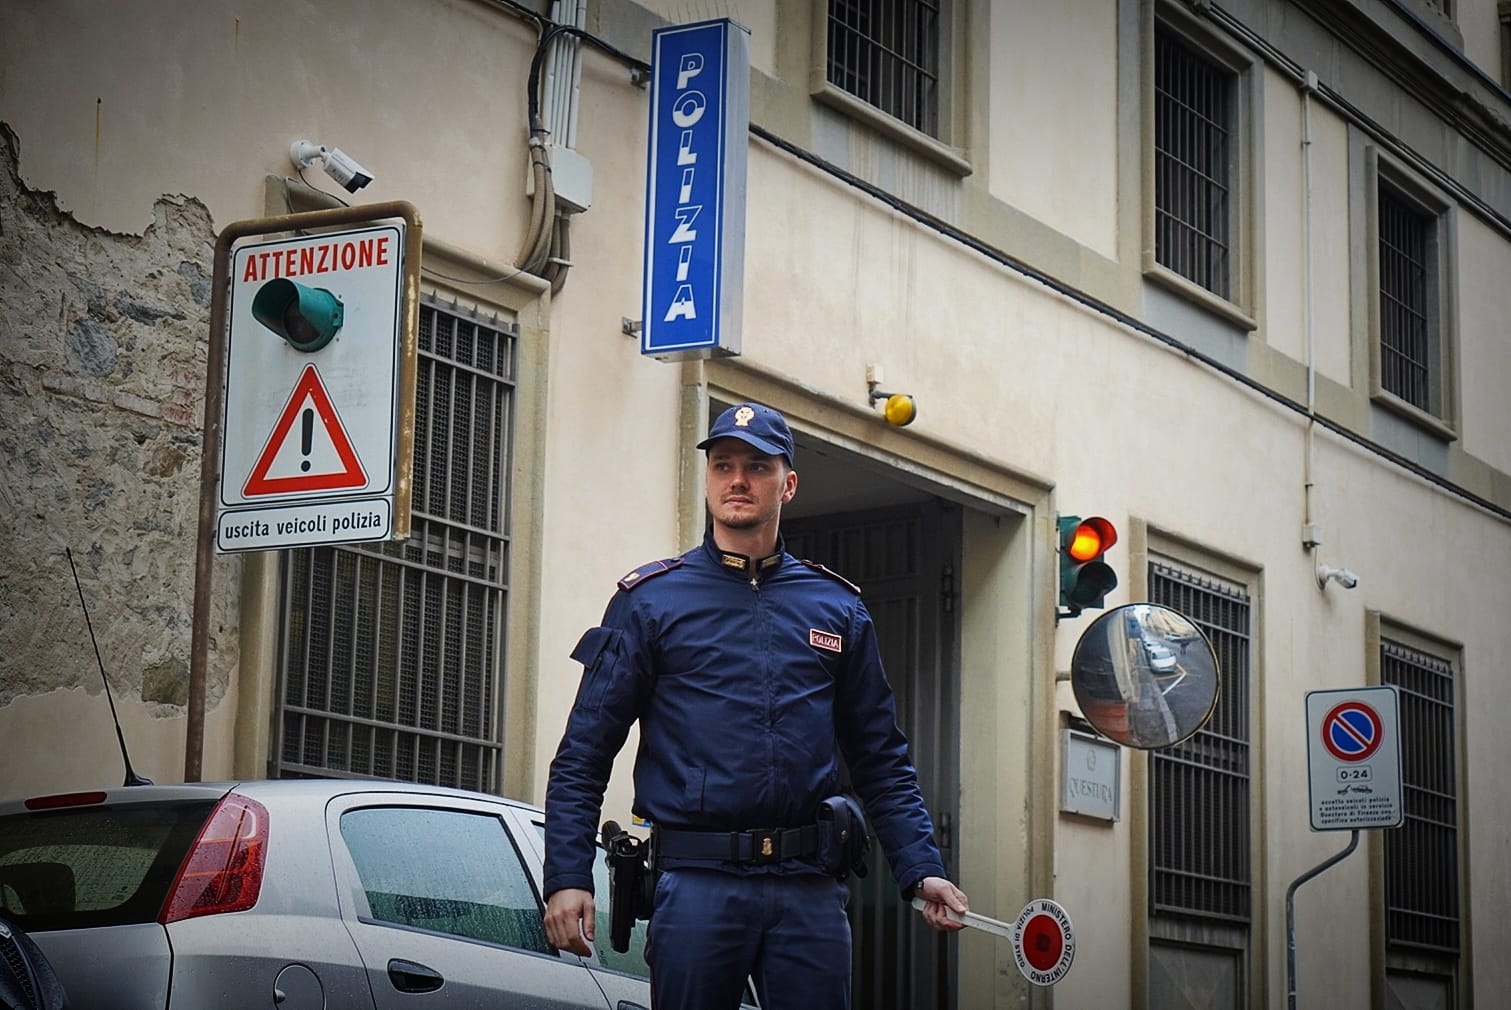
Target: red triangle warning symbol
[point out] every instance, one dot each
(308, 449)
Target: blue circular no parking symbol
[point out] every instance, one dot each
(1352, 731)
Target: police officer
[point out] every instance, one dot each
(751, 673)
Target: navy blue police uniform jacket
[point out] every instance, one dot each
(749, 679)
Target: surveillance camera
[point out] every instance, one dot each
(337, 163)
(1342, 576)
(345, 170)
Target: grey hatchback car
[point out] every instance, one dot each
(298, 894)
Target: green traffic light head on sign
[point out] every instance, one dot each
(307, 318)
(1085, 579)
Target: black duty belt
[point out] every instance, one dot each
(758, 845)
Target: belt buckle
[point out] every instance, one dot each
(765, 845)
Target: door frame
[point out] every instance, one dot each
(1008, 584)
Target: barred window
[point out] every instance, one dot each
(1199, 789)
(1421, 856)
(1503, 12)
(886, 52)
(1408, 303)
(391, 656)
(1195, 162)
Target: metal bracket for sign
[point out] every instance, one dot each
(215, 368)
(1290, 915)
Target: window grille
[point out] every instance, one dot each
(1503, 12)
(1193, 164)
(392, 660)
(886, 52)
(1199, 824)
(1406, 339)
(1421, 856)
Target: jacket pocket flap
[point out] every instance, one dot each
(592, 644)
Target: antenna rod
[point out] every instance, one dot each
(132, 778)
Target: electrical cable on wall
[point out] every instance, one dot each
(546, 249)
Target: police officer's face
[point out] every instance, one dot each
(746, 487)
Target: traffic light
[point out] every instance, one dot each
(1085, 579)
(306, 317)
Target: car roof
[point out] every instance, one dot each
(311, 788)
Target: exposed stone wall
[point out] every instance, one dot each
(102, 372)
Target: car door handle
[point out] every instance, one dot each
(407, 976)
(625, 1004)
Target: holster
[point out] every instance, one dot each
(844, 838)
(631, 882)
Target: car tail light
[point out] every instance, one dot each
(65, 800)
(223, 870)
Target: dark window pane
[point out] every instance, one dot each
(1406, 344)
(391, 650)
(1193, 164)
(886, 52)
(1199, 789)
(1421, 856)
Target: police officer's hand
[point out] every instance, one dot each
(940, 893)
(569, 918)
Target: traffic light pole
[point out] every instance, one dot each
(1290, 916)
(215, 378)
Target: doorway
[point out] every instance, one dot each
(906, 559)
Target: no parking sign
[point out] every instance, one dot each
(1353, 749)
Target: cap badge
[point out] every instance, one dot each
(743, 417)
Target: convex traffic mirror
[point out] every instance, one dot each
(1144, 676)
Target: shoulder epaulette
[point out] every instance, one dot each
(836, 576)
(649, 571)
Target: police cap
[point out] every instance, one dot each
(756, 425)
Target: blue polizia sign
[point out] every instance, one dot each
(695, 190)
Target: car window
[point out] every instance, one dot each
(633, 961)
(94, 866)
(448, 871)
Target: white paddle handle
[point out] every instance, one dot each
(971, 919)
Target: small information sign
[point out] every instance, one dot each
(1353, 750)
(1089, 775)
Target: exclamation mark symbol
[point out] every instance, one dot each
(307, 437)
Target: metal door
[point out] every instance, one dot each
(905, 560)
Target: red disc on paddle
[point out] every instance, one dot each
(1043, 942)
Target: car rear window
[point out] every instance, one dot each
(94, 866)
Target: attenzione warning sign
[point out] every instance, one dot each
(310, 435)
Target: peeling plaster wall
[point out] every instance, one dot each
(102, 363)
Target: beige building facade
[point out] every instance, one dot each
(1232, 275)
